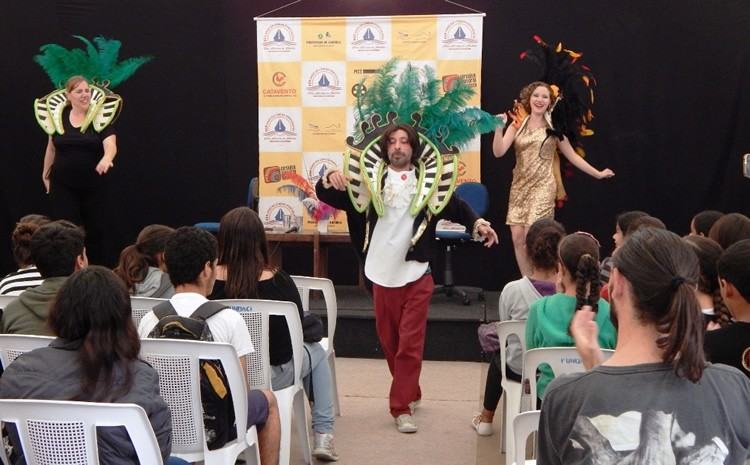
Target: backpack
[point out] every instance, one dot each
(218, 409)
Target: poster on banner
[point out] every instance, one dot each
(316, 165)
(310, 72)
(281, 213)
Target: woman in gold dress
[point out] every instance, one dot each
(536, 176)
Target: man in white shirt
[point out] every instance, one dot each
(191, 256)
(397, 262)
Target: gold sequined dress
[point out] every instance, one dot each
(533, 190)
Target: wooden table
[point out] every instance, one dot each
(317, 241)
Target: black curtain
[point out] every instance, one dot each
(670, 111)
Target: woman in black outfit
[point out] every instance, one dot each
(75, 163)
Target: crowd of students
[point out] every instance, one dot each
(676, 311)
(97, 345)
(667, 305)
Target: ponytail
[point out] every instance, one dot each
(132, 267)
(682, 329)
(663, 271)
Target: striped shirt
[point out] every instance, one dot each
(18, 281)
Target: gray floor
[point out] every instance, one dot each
(366, 434)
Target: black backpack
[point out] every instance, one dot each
(218, 409)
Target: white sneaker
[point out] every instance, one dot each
(405, 424)
(482, 428)
(323, 448)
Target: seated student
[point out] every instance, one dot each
(27, 275)
(549, 317)
(636, 223)
(655, 400)
(702, 222)
(729, 229)
(731, 344)
(541, 248)
(142, 266)
(190, 255)
(58, 250)
(708, 292)
(244, 272)
(622, 223)
(94, 359)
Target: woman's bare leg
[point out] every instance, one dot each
(518, 233)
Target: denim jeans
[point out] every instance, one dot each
(315, 371)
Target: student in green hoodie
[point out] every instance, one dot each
(579, 284)
(58, 250)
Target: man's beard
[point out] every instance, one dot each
(402, 162)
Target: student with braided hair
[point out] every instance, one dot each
(708, 292)
(542, 241)
(579, 284)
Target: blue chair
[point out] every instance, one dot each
(252, 202)
(476, 195)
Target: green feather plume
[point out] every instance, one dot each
(97, 63)
(444, 116)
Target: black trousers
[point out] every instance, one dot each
(85, 206)
(492, 388)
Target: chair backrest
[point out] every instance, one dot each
(177, 362)
(142, 305)
(523, 425)
(252, 193)
(64, 432)
(6, 299)
(476, 195)
(562, 360)
(13, 345)
(504, 330)
(255, 312)
(305, 284)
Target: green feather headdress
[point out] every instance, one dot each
(443, 122)
(97, 63)
(444, 117)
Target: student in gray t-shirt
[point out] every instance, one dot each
(656, 401)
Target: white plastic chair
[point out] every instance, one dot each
(6, 299)
(562, 360)
(177, 362)
(13, 345)
(291, 400)
(142, 305)
(524, 424)
(64, 432)
(305, 284)
(512, 390)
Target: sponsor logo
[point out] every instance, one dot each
(414, 37)
(323, 79)
(368, 37)
(461, 169)
(323, 83)
(460, 36)
(274, 174)
(319, 168)
(323, 40)
(279, 128)
(279, 37)
(271, 174)
(279, 80)
(449, 80)
(277, 213)
(359, 90)
(325, 129)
